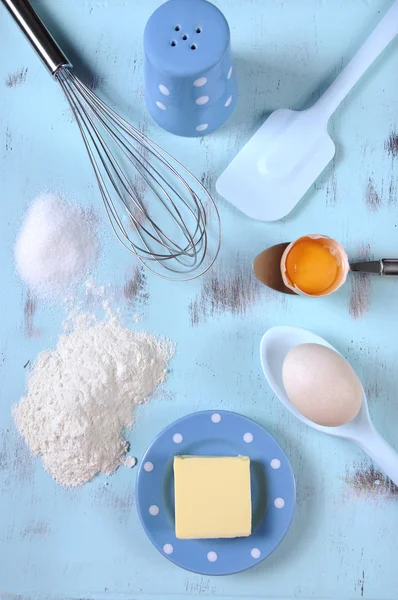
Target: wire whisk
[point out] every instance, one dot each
(157, 208)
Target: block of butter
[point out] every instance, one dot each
(212, 497)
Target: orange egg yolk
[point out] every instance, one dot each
(311, 266)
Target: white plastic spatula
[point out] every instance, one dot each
(290, 150)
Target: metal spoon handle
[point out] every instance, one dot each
(386, 266)
(38, 35)
(389, 266)
(381, 452)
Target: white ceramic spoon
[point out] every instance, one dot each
(275, 344)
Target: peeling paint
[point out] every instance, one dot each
(8, 140)
(367, 480)
(16, 462)
(222, 292)
(95, 80)
(105, 497)
(36, 529)
(391, 144)
(361, 583)
(392, 195)
(16, 78)
(134, 287)
(331, 188)
(208, 181)
(139, 183)
(372, 198)
(360, 296)
(201, 586)
(29, 312)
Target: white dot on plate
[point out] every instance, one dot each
(228, 102)
(275, 463)
(154, 510)
(255, 553)
(168, 549)
(216, 418)
(148, 467)
(199, 82)
(177, 438)
(248, 438)
(164, 90)
(229, 73)
(279, 503)
(202, 100)
(212, 556)
(160, 105)
(202, 127)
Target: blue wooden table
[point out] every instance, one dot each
(88, 543)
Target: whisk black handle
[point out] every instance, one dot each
(38, 35)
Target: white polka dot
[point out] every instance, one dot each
(212, 556)
(202, 127)
(200, 82)
(177, 438)
(164, 90)
(154, 510)
(160, 105)
(248, 438)
(275, 463)
(255, 553)
(229, 73)
(168, 549)
(202, 100)
(216, 418)
(279, 503)
(228, 102)
(148, 467)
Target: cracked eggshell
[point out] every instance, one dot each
(335, 248)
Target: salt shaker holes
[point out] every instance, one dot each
(177, 28)
(198, 30)
(184, 37)
(193, 47)
(173, 43)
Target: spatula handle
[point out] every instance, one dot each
(381, 37)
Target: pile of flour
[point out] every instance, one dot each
(82, 395)
(56, 246)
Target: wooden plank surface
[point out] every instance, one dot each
(88, 543)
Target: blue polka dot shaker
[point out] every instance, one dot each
(190, 82)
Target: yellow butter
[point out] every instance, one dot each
(212, 497)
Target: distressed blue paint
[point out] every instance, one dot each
(88, 542)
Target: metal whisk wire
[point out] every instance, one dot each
(98, 123)
(159, 181)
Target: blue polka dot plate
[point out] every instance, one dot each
(273, 489)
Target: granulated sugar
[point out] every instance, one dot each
(56, 246)
(82, 395)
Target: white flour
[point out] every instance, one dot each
(82, 395)
(56, 246)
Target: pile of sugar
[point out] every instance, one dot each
(56, 246)
(82, 395)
